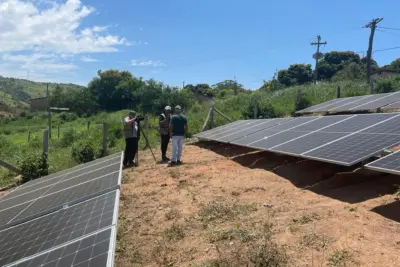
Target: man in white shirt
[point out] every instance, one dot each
(131, 139)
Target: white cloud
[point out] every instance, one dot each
(47, 34)
(147, 63)
(88, 59)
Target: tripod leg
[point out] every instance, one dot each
(147, 141)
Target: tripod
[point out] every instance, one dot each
(147, 143)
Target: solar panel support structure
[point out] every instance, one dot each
(10, 167)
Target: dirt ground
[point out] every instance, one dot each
(230, 206)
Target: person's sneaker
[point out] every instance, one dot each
(172, 163)
(179, 162)
(165, 159)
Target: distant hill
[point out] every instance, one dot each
(17, 92)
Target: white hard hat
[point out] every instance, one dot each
(167, 108)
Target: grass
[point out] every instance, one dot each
(340, 258)
(220, 211)
(175, 233)
(240, 234)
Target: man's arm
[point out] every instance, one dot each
(130, 121)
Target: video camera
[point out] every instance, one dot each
(139, 118)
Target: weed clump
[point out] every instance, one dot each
(33, 165)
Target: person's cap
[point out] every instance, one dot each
(178, 107)
(132, 113)
(167, 108)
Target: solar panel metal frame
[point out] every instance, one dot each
(227, 129)
(394, 105)
(372, 165)
(14, 222)
(355, 100)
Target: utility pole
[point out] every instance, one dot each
(317, 56)
(372, 25)
(183, 84)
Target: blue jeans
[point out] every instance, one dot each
(177, 147)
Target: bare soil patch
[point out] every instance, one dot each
(229, 206)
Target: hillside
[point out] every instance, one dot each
(18, 91)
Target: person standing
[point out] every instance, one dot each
(178, 128)
(164, 121)
(131, 139)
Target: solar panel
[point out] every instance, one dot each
(244, 132)
(320, 106)
(358, 122)
(357, 103)
(210, 134)
(354, 148)
(395, 105)
(55, 229)
(96, 250)
(216, 129)
(296, 132)
(307, 142)
(357, 100)
(70, 189)
(65, 174)
(344, 101)
(286, 125)
(235, 129)
(391, 126)
(380, 100)
(389, 164)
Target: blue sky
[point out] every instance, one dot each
(197, 41)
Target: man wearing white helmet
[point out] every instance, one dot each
(164, 121)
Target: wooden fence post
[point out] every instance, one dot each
(88, 125)
(58, 131)
(338, 92)
(212, 117)
(45, 143)
(29, 136)
(105, 132)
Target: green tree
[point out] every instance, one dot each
(104, 88)
(295, 74)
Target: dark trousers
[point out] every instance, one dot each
(164, 144)
(131, 147)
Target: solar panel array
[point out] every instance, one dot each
(65, 219)
(341, 139)
(389, 164)
(356, 103)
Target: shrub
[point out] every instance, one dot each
(384, 87)
(33, 165)
(83, 151)
(35, 142)
(68, 117)
(68, 138)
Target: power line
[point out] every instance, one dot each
(386, 49)
(391, 33)
(388, 28)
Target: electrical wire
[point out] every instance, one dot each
(388, 28)
(391, 33)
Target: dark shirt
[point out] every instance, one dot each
(178, 123)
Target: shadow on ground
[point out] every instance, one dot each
(346, 184)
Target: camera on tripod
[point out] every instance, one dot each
(139, 118)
